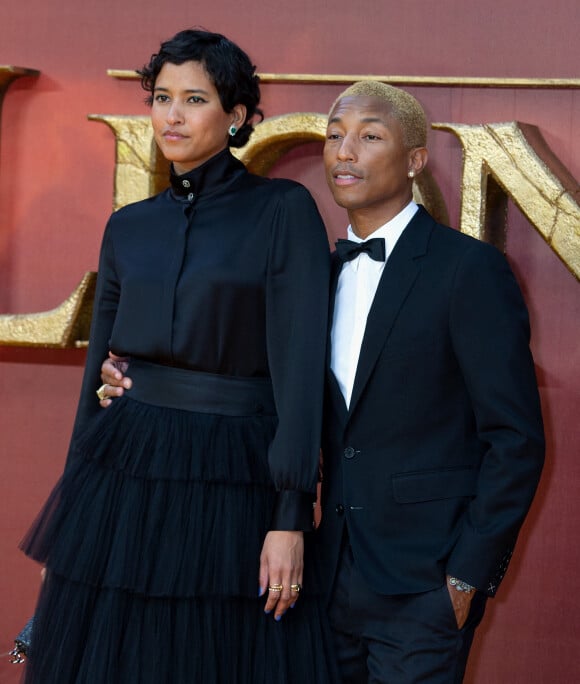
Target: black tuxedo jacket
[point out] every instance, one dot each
(434, 465)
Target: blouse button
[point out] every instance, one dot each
(190, 196)
(186, 183)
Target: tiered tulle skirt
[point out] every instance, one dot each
(152, 541)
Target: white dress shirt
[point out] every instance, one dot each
(355, 291)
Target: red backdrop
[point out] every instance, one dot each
(56, 184)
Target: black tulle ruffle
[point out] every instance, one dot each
(86, 635)
(152, 540)
(156, 512)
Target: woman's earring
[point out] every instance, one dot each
(232, 130)
(411, 174)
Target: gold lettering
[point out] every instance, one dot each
(513, 160)
(137, 175)
(64, 327)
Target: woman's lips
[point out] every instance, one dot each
(173, 136)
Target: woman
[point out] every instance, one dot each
(189, 497)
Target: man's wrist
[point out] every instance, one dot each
(460, 585)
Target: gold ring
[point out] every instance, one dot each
(101, 393)
(296, 588)
(275, 587)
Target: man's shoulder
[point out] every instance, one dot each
(453, 241)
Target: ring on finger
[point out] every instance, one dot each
(296, 587)
(101, 392)
(275, 587)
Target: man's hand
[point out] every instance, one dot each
(114, 380)
(281, 565)
(461, 601)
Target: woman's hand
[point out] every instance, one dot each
(115, 382)
(281, 567)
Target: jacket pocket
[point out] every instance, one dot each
(432, 485)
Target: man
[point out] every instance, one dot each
(433, 440)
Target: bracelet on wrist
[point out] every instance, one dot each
(459, 585)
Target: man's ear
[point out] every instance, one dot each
(418, 157)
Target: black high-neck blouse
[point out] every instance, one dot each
(224, 272)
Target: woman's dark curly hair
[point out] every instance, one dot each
(228, 67)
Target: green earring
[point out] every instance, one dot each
(232, 130)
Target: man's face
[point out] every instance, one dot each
(365, 158)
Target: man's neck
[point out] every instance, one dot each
(367, 220)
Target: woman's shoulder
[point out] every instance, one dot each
(276, 186)
(140, 211)
(287, 196)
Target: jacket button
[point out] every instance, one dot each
(339, 509)
(349, 452)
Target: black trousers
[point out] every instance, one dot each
(403, 639)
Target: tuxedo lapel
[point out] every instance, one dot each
(336, 398)
(401, 271)
(335, 269)
(334, 393)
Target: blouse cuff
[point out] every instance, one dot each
(294, 510)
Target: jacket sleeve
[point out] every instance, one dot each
(296, 324)
(490, 332)
(103, 317)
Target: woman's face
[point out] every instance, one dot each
(189, 123)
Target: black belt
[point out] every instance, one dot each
(189, 390)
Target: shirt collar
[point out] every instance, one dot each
(212, 175)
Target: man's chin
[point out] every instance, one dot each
(341, 197)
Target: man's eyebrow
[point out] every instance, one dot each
(373, 119)
(366, 119)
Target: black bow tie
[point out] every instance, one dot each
(348, 250)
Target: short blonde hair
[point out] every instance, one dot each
(403, 107)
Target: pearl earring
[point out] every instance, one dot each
(411, 174)
(232, 130)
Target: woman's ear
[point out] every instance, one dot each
(239, 115)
